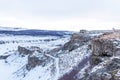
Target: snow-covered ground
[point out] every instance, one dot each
(12, 42)
(13, 68)
(69, 60)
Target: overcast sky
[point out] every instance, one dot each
(60, 14)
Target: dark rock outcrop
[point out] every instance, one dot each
(111, 71)
(33, 61)
(29, 50)
(106, 55)
(2, 42)
(77, 40)
(101, 50)
(4, 57)
(36, 59)
(35, 56)
(24, 50)
(101, 47)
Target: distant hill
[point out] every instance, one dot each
(33, 32)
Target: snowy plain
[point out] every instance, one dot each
(14, 67)
(14, 64)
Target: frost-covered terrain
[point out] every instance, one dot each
(53, 55)
(9, 46)
(12, 64)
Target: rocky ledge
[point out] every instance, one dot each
(105, 58)
(35, 55)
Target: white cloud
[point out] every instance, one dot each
(75, 23)
(60, 15)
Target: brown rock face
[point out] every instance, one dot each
(77, 40)
(101, 47)
(101, 50)
(4, 57)
(30, 50)
(33, 61)
(24, 51)
(110, 72)
(105, 49)
(35, 56)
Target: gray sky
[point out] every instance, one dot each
(60, 14)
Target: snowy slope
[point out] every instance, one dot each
(13, 68)
(56, 66)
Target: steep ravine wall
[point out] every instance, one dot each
(106, 55)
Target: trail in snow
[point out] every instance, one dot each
(56, 65)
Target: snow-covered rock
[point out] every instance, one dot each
(105, 58)
(84, 56)
(77, 40)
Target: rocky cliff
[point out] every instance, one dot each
(83, 57)
(105, 58)
(77, 40)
